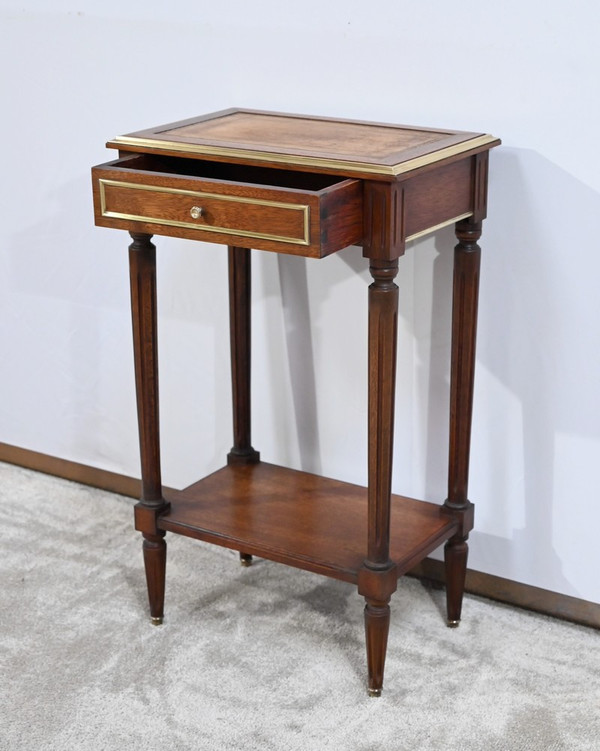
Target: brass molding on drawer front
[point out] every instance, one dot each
(303, 208)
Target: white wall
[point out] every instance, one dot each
(76, 75)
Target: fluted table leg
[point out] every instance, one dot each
(142, 265)
(377, 579)
(464, 330)
(240, 337)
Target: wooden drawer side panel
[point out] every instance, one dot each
(341, 217)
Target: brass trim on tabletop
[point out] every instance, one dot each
(102, 182)
(339, 164)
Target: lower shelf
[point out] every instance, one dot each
(300, 519)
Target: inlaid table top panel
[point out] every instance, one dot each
(301, 142)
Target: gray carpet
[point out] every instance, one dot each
(265, 658)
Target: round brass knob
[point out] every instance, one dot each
(196, 212)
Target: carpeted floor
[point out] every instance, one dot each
(266, 658)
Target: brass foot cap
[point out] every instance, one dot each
(246, 562)
(374, 692)
(156, 620)
(452, 624)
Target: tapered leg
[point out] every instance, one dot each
(377, 626)
(240, 336)
(377, 578)
(155, 563)
(455, 558)
(142, 265)
(464, 331)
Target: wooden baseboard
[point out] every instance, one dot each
(82, 473)
(519, 595)
(485, 585)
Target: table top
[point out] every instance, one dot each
(302, 142)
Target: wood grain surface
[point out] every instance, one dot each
(300, 519)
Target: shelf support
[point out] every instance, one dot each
(142, 267)
(240, 283)
(240, 290)
(467, 255)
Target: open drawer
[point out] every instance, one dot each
(301, 213)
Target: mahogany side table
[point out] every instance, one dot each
(307, 186)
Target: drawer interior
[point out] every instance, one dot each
(277, 178)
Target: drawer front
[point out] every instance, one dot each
(204, 212)
(304, 222)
